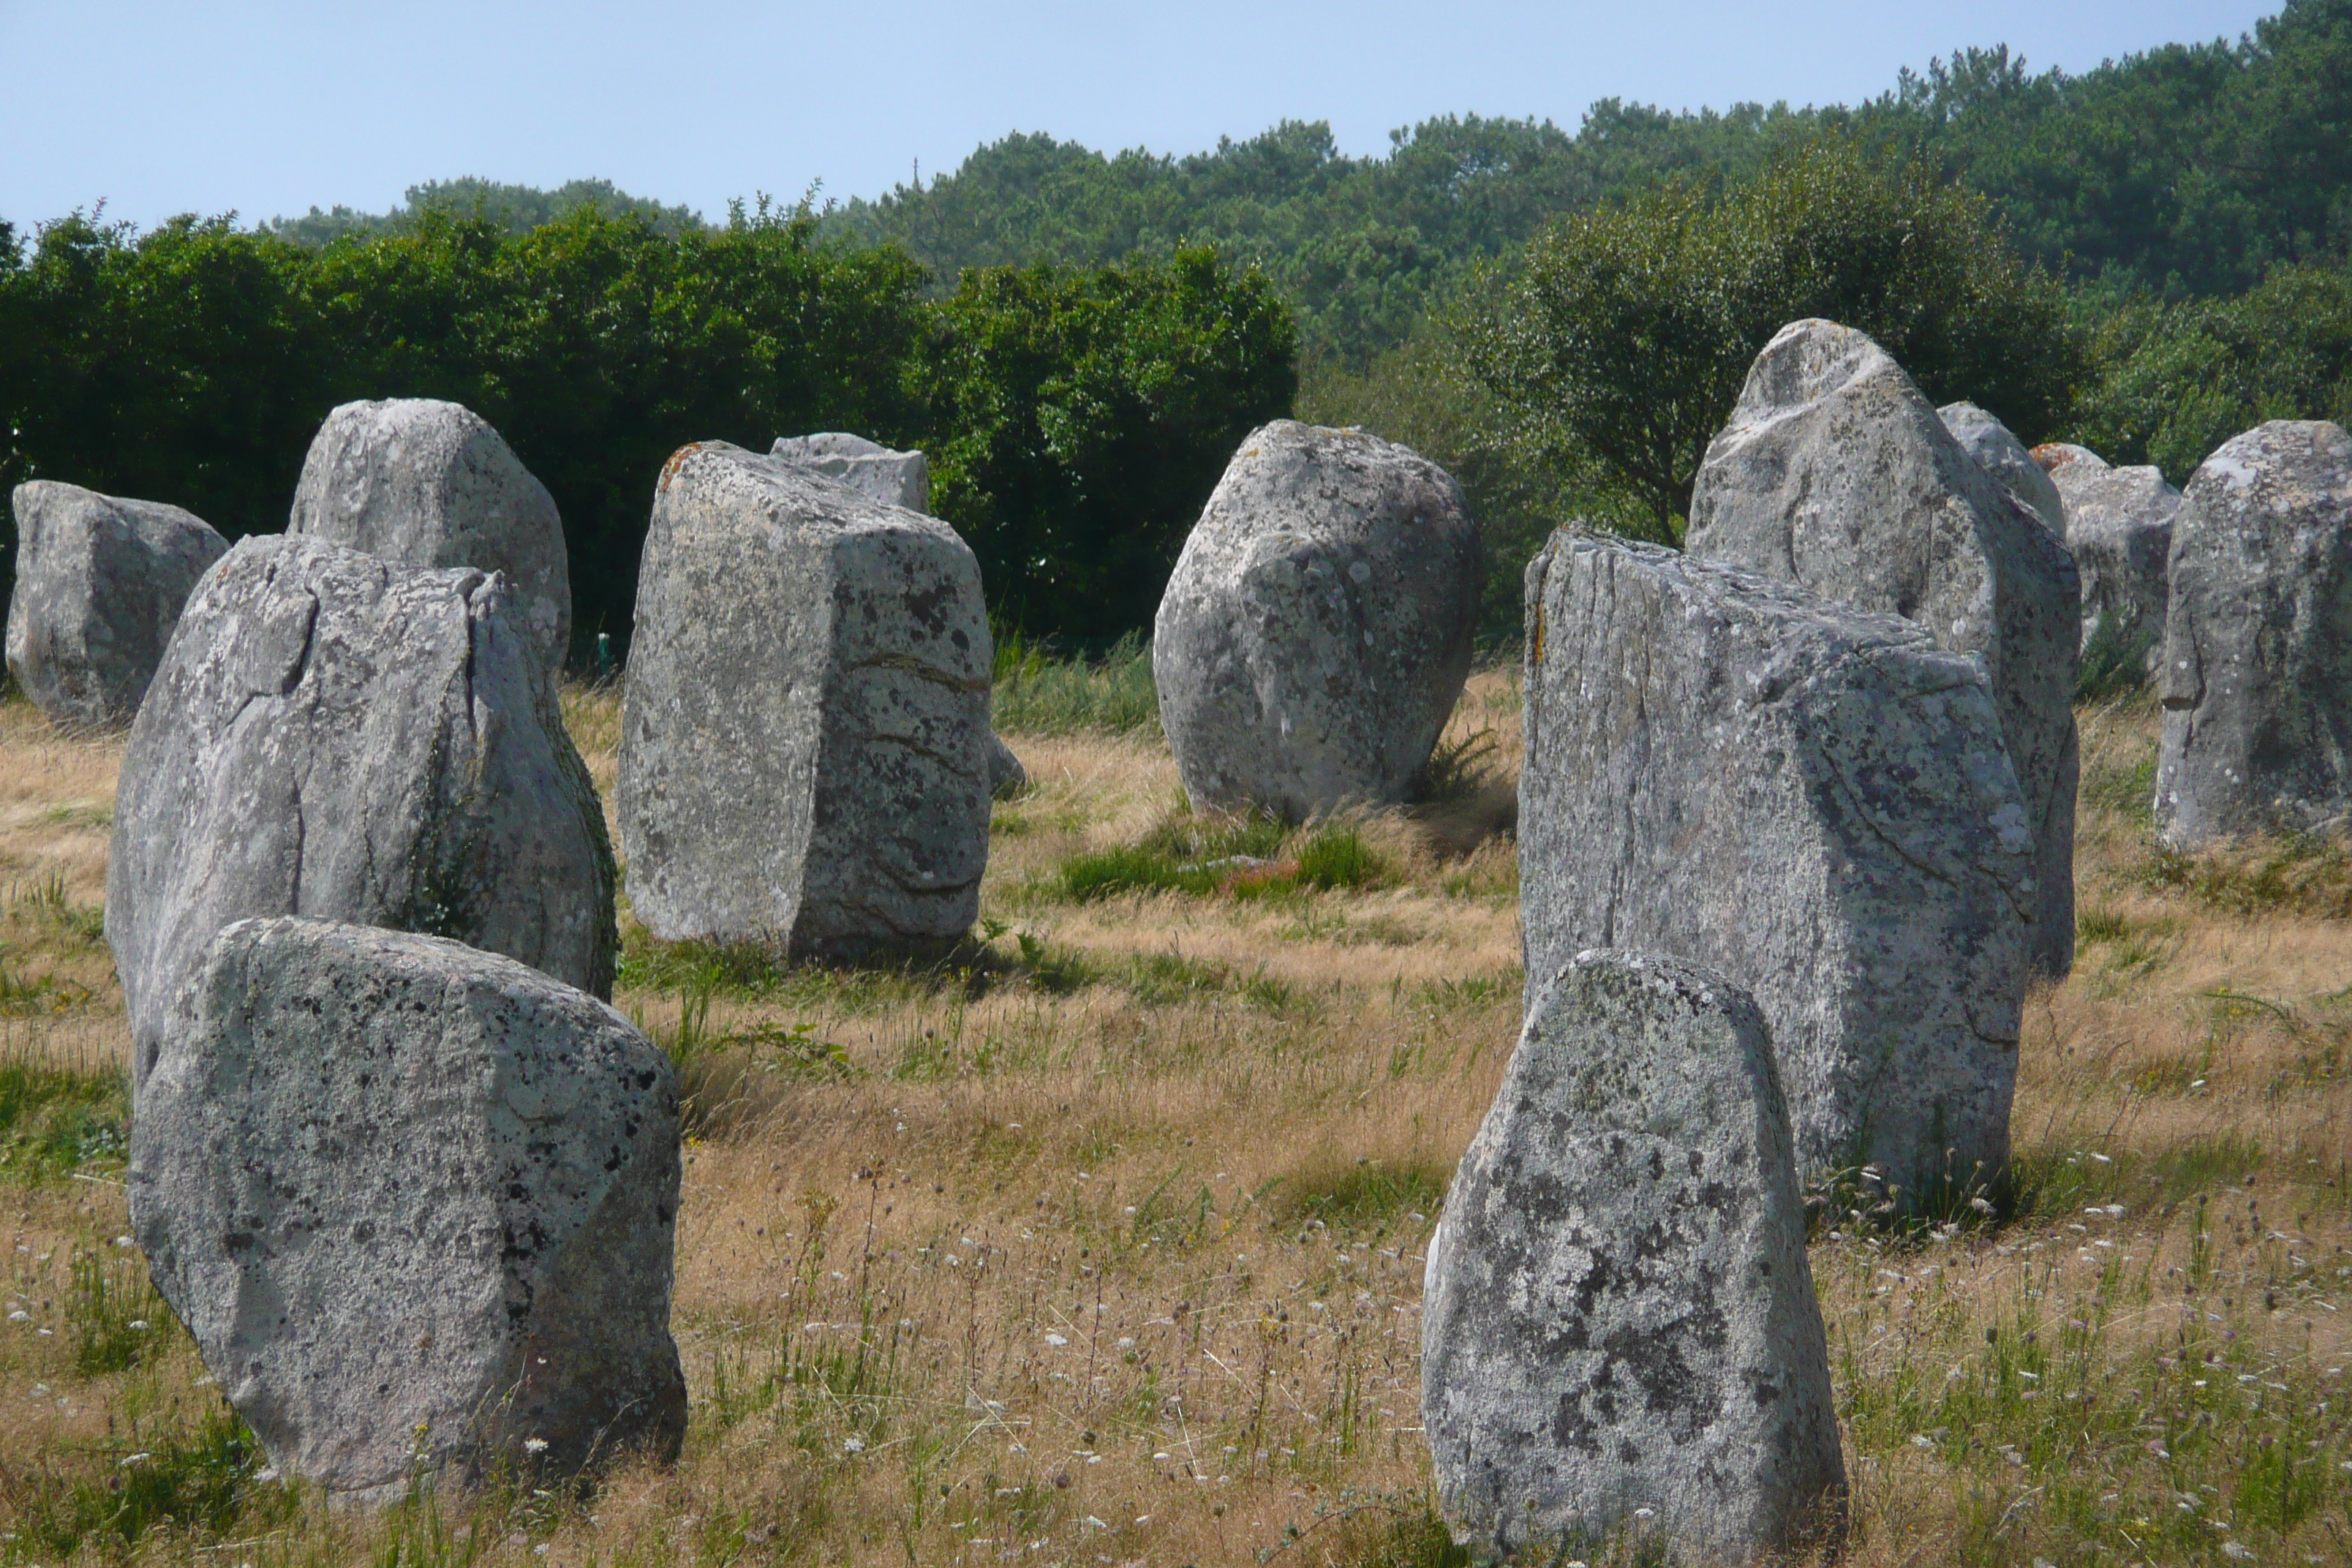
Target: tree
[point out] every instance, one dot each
(2175, 381)
(1620, 343)
(1081, 418)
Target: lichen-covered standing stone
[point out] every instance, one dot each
(2119, 528)
(894, 479)
(336, 736)
(1812, 799)
(1835, 473)
(1618, 1314)
(2000, 454)
(428, 483)
(416, 1203)
(2257, 677)
(1317, 631)
(100, 583)
(804, 740)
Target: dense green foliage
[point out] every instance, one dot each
(2191, 168)
(2177, 380)
(1619, 346)
(2148, 256)
(515, 209)
(1084, 416)
(1080, 420)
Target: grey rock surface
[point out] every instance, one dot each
(1315, 636)
(427, 483)
(2257, 675)
(2000, 453)
(804, 740)
(1617, 1311)
(2119, 529)
(100, 583)
(894, 479)
(391, 1183)
(1812, 799)
(336, 736)
(1006, 776)
(1836, 474)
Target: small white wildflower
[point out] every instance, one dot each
(534, 1444)
(1057, 1340)
(139, 1324)
(853, 1444)
(124, 1241)
(129, 1460)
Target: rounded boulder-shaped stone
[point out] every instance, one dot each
(336, 736)
(1317, 631)
(428, 483)
(100, 581)
(417, 1205)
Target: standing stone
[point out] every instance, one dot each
(2119, 529)
(2257, 678)
(336, 736)
(416, 1203)
(1316, 634)
(1836, 474)
(2000, 454)
(894, 479)
(99, 583)
(1618, 1313)
(1006, 776)
(1813, 800)
(804, 740)
(427, 483)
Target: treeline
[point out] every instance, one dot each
(193, 363)
(2189, 170)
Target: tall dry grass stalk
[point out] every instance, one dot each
(1102, 1245)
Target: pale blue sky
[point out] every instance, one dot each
(267, 108)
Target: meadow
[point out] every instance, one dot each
(1100, 1244)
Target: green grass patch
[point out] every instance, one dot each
(1253, 856)
(54, 1122)
(2115, 664)
(2058, 1184)
(2295, 873)
(117, 1319)
(1039, 694)
(198, 1483)
(2126, 789)
(1365, 1195)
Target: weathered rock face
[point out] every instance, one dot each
(2257, 677)
(99, 583)
(427, 483)
(894, 479)
(1835, 473)
(1619, 1314)
(2119, 529)
(336, 736)
(1317, 631)
(2000, 454)
(1812, 799)
(392, 1184)
(804, 740)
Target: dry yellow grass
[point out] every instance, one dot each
(1105, 1247)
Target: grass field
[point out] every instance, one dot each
(1102, 1246)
